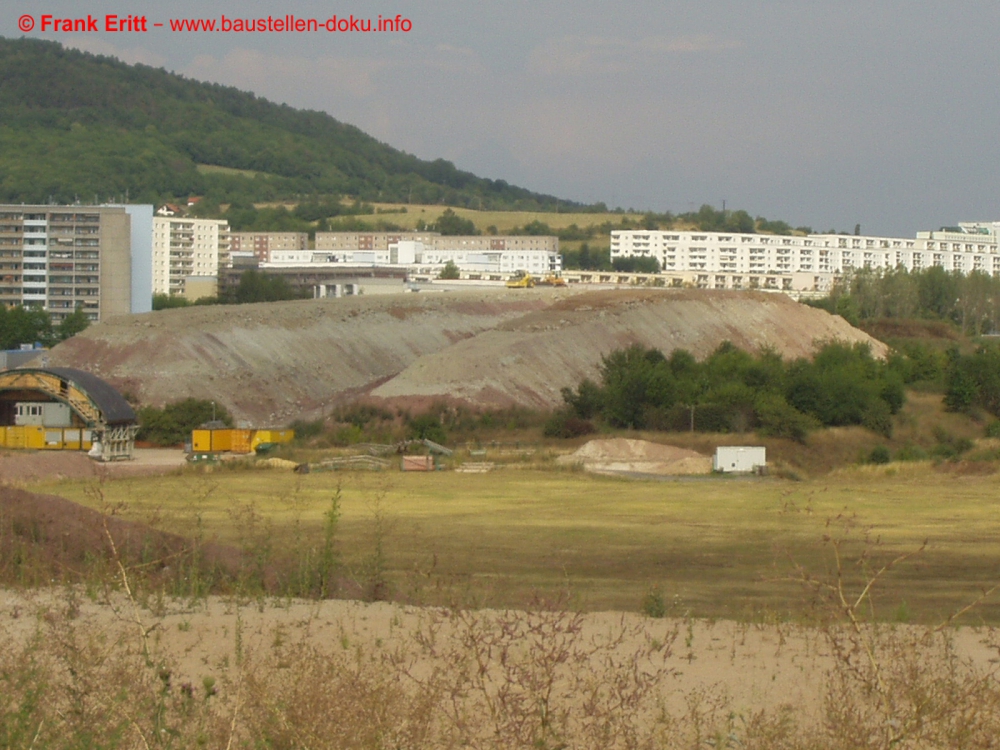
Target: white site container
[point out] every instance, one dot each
(45, 413)
(739, 458)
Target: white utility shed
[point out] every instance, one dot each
(739, 458)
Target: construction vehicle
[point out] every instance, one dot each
(521, 280)
(552, 279)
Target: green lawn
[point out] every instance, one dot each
(715, 547)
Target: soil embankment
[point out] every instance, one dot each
(271, 363)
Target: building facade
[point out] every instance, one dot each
(62, 258)
(262, 243)
(966, 248)
(475, 254)
(185, 247)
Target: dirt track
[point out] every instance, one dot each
(270, 363)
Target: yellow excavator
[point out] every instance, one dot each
(521, 280)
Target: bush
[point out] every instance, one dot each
(427, 427)
(565, 424)
(911, 453)
(305, 430)
(778, 418)
(993, 429)
(653, 604)
(172, 425)
(879, 455)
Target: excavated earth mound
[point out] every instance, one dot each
(529, 360)
(638, 456)
(271, 363)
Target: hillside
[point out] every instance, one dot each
(271, 363)
(79, 126)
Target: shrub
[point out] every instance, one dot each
(653, 604)
(879, 455)
(565, 424)
(173, 423)
(305, 430)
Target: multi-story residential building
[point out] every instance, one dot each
(262, 243)
(61, 258)
(475, 254)
(965, 248)
(184, 247)
(348, 241)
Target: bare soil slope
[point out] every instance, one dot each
(271, 363)
(527, 361)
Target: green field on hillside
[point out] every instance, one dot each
(712, 547)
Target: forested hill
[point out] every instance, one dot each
(79, 126)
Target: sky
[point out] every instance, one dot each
(824, 114)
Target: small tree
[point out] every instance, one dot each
(449, 272)
(73, 324)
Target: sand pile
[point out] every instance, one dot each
(639, 456)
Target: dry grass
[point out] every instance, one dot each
(718, 546)
(503, 220)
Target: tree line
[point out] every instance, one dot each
(254, 286)
(30, 325)
(971, 301)
(735, 391)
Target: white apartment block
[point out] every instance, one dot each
(474, 254)
(184, 247)
(61, 258)
(966, 248)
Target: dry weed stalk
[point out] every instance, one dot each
(896, 686)
(537, 679)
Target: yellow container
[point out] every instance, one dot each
(3, 437)
(34, 437)
(241, 441)
(52, 439)
(15, 437)
(201, 441)
(72, 438)
(271, 437)
(222, 440)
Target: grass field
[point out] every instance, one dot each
(712, 547)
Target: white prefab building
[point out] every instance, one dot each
(739, 459)
(971, 246)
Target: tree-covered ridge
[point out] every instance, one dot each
(75, 125)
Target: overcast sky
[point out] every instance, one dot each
(825, 114)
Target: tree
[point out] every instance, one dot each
(450, 223)
(72, 324)
(450, 271)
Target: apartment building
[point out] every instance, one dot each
(971, 246)
(262, 243)
(185, 247)
(61, 258)
(474, 254)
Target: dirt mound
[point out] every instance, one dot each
(24, 466)
(638, 456)
(528, 361)
(271, 363)
(44, 538)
